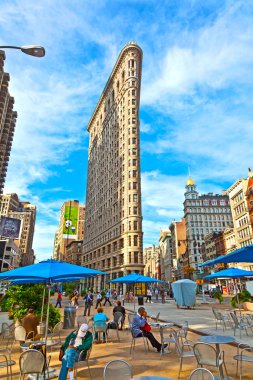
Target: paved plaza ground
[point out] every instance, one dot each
(151, 363)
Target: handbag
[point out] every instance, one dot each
(146, 327)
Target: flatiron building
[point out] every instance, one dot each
(113, 218)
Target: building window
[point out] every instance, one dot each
(135, 240)
(136, 257)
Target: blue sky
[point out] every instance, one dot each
(196, 98)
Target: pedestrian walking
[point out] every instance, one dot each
(156, 294)
(107, 298)
(149, 295)
(99, 300)
(88, 302)
(58, 299)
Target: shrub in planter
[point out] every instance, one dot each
(218, 296)
(241, 297)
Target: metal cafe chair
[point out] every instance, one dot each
(184, 350)
(246, 355)
(31, 362)
(144, 339)
(241, 324)
(6, 362)
(201, 374)
(117, 369)
(207, 355)
(83, 360)
(220, 318)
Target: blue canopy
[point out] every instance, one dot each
(49, 271)
(210, 262)
(184, 292)
(230, 273)
(134, 278)
(241, 255)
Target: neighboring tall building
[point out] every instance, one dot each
(151, 261)
(166, 257)
(11, 207)
(179, 248)
(203, 214)
(241, 203)
(70, 228)
(113, 218)
(7, 121)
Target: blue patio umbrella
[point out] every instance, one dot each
(47, 272)
(241, 255)
(230, 273)
(134, 278)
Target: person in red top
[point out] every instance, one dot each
(59, 299)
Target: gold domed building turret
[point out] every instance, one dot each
(190, 182)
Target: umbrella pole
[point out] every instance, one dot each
(134, 297)
(48, 303)
(42, 309)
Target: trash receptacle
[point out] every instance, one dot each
(69, 317)
(140, 300)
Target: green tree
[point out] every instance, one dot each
(19, 298)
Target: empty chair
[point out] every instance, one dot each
(240, 324)
(183, 331)
(155, 317)
(80, 320)
(207, 355)
(6, 362)
(31, 362)
(246, 355)
(83, 360)
(56, 332)
(184, 350)
(201, 374)
(117, 369)
(168, 335)
(220, 318)
(20, 334)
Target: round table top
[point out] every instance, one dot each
(151, 378)
(161, 324)
(217, 339)
(50, 343)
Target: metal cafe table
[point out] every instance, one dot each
(162, 326)
(217, 340)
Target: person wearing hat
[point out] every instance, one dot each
(77, 341)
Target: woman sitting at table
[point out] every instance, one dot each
(77, 341)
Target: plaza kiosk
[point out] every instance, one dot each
(184, 293)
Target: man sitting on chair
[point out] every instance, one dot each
(77, 341)
(139, 329)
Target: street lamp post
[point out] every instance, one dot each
(34, 50)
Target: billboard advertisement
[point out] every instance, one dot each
(70, 222)
(9, 227)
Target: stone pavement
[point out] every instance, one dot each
(200, 318)
(150, 363)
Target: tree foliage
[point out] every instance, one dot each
(19, 298)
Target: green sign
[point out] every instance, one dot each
(70, 222)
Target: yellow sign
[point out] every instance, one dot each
(200, 281)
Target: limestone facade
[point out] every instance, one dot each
(113, 218)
